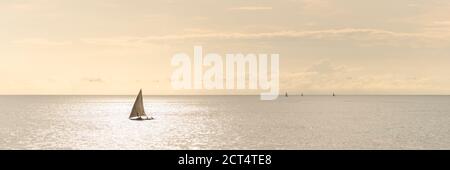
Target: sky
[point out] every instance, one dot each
(325, 46)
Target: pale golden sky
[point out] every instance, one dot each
(117, 47)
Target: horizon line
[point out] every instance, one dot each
(337, 94)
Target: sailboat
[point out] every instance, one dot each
(138, 113)
(286, 95)
(334, 94)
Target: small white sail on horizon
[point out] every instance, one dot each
(138, 111)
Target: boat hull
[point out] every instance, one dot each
(141, 118)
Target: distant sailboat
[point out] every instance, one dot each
(138, 113)
(286, 94)
(302, 94)
(334, 94)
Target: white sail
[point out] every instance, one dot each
(138, 107)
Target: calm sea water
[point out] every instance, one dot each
(226, 122)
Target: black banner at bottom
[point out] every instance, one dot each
(219, 159)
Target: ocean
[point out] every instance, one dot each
(226, 122)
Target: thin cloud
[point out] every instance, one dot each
(93, 80)
(250, 8)
(41, 42)
(370, 36)
(327, 76)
